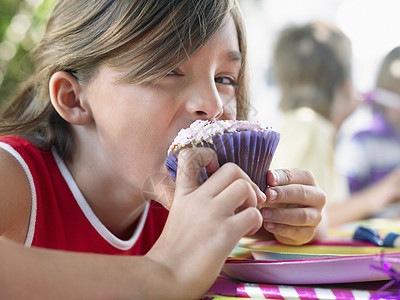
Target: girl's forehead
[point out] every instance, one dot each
(225, 42)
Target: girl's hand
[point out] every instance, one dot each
(294, 205)
(206, 221)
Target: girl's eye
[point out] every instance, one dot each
(174, 72)
(227, 80)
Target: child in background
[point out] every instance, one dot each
(313, 67)
(369, 155)
(115, 81)
(373, 152)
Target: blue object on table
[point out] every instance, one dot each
(392, 240)
(367, 235)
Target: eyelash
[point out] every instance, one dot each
(174, 72)
(231, 81)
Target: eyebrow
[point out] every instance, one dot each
(234, 56)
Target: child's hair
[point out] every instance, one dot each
(143, 38)
(310, 63)
(389, 73)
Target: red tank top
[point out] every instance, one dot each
(60, 216)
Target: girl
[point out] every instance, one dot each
(115, 82)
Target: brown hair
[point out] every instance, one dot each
(389, 73)
(144, 38)
(310, 62)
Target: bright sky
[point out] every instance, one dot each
(372, 25)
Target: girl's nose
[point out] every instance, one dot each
(205, 103)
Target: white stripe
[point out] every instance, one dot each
(253, 291)
(289, 293)
(32, 219)
(325, 294)
(361, 295)
(90, 215)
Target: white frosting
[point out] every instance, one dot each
(202, 130)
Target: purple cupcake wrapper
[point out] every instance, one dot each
(251, 150)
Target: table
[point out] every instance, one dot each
(230, 288)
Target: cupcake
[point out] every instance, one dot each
(248, 144)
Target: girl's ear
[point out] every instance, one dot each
(68, 98)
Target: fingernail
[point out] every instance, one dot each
(262, 196)
(266, 213)
(269, 226)
(272, 195)
(276, 177)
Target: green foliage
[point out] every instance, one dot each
(7, 11)
(21, 26)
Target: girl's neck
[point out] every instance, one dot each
(118, 207)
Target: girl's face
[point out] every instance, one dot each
(135, 124)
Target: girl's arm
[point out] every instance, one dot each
(15, 199)
(367, 202)
(35, 273)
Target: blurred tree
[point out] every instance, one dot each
(21, 26)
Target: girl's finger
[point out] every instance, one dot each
(248, 221)
(239, 194)
(298, 194)
(298, 217)
(292, 235)
(224, 177)
(290, 176)
(190, 163)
